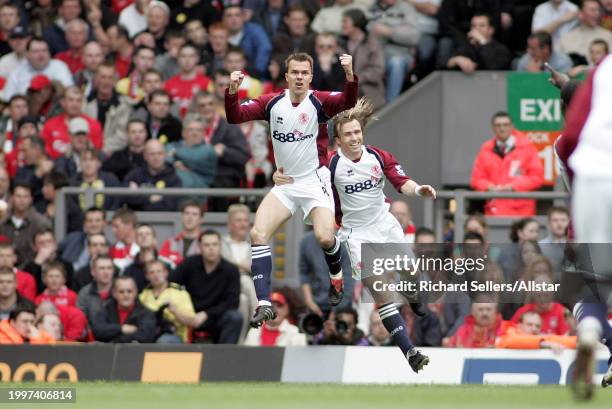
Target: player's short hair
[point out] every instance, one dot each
(500, 114)
(126, 215)
(362, 112)
(601, 42)
(300, 57)
(557, 209)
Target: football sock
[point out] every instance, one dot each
(396, 327)
(333, 258)
(598, 311)
(261, 269)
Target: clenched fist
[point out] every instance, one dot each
(236, 78)
(347, 65)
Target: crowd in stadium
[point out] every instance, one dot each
(131, 93)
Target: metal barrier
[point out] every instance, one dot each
(434, 209)
(285, 245)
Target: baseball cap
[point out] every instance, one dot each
(278, 297)
(19, 32)
(39, 82)
(78, 126)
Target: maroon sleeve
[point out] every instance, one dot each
(251, 110)
(575, 118)
(334, 102)
(391, 168)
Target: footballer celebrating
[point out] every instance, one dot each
(300, 149)
(358, 174)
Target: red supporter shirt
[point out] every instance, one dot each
(123, 314)
(26, 284)
(74, 322)
(57, 139)
(64, 297)
(122, 65)
(553, 321)
(182, 90)
(268, 336)
(73, 60)
(14, 158)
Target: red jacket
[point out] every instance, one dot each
(57, 139)
(553, 321)
(521, 168)
(470, 336)
(26, 284)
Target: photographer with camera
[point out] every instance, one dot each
(172, 305)
(279, 331)
(341, 329)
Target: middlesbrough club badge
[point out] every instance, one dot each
(303, 118)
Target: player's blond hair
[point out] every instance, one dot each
(363, 112)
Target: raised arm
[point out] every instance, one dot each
(334, 102)
(251, 110)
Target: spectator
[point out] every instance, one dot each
(270, 17)
(73, 320)
(10, 297)
(553, 245)
(172, 304)
(185, 243)
(194, 160)
(329, 19)
(131, 86)
(402, 213)
(527, 334)
(235, 60)
(26, 284)
(167, 63)
(54, 278)
(69, 163)
(523, 230)
(37, 164)
(97, 245)
(42, 15)
(45, 252)
(55, 35)
(156, 174)
(508, 162)
(598, 50)
(368, 56)
(124, 319)
(229, 144)
(76, 37)
(158, 18)
(122, 161)
(134, 17)
(93, 295)
(195, 33)
(218, 43)
(73, 248)
(476, 223)
(395, 24)
(539, 51)
(607, 14)
(91, 177)
(377, 334)
(161, 124)
(578, 41)
(314, 276)
(52, 325)
(111, 109)
(423, 331)
(250, 37)
(53, 182)
(427, 11)
(146, 239)
(481, 51)
(258, 169)
(44, 97)
(19, 328)
(5, 184)
(56, 132)
(555, 17)
(151, 81)
(455, 22)
(18, 40)
(21, 222)
(9, 19)
(38, 61)
(197, 10)
(298, 37)
(189, 81)
(279, 331)
(125, 248)
(121, 48)
(341, 329)
(214, 286)
(328, 74)
(9, 123)
(481, 327)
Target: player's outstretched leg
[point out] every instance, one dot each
(396, 326)
(333, 257)
(261, 268)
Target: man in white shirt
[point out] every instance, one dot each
(38, 61)
(18, 41)
(556, 17)
(580, 38)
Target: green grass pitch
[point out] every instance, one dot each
(123, 395)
